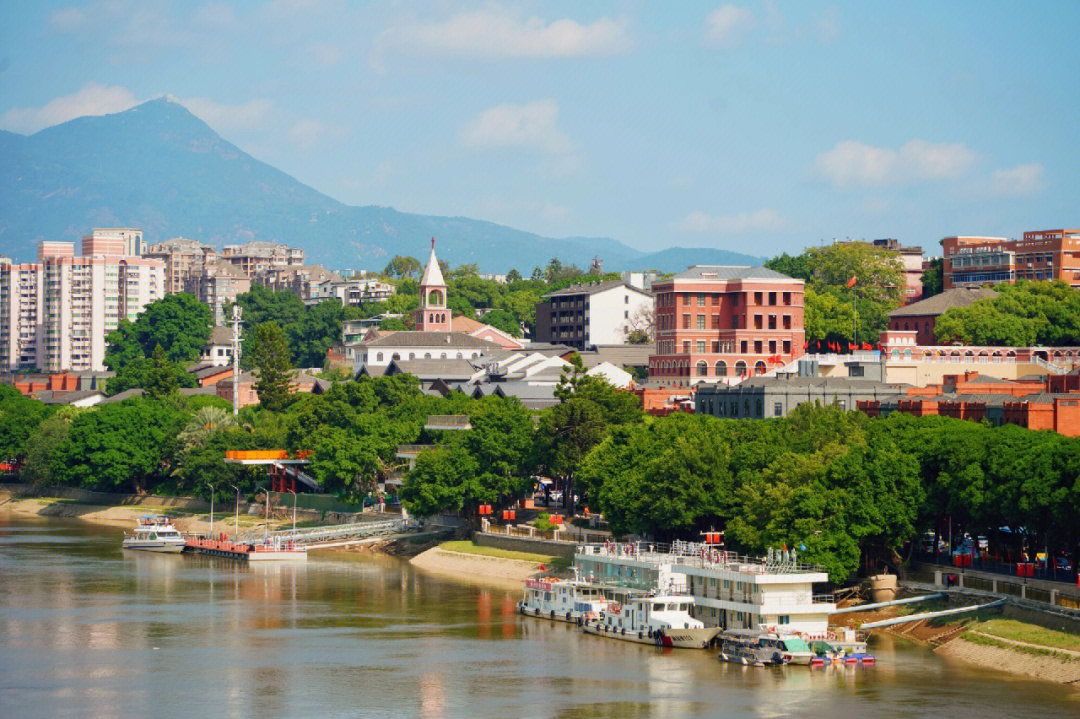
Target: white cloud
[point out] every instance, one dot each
(247, 116)
(1017, 181)
(741, 223)
(727, 24)
(495, 33)
(855, 163)
(68, 19)
(306, 133)
(325, 54)
(533, 126)
(91, 99)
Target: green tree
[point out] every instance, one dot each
(513, 276)
(42, 445)
(272, 362)
(179, 323)
(503, 320)
(161, 375)
(402, 266)
(312, 335)
(933, 278)
(19, 417)
(442, 481)
(1027, 313)
(124, 445)
(344, 463)
(826, 317)
(393, 324)
(798, 266)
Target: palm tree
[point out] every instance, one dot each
(204, 423)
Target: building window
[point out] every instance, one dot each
(783, 619)
(735, 300)
(686, 321)
(757, 347)
(700, 345)
(772, 298)
(787, 322)
(841, 403)
(759, 411)
(626, 299)
(742, 347)
(778, 409)
(700, 299)
(740, 368)
(701, 322)
(378, 357)
(772, 322)
(702, 368)
(721, 368)
(787, 347)
(686, 347)
(626, 314)
(716, 322)
(772, 347)
(715, 346)
(759, 368)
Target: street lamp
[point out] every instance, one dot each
(211, 509)
(266, 523)
(293, 511)
(236, 526)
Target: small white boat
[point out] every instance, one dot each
(155, 534)
(764, 648)
(562, 600)
(663, 620)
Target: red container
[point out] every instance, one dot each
(967, 559)
(1030, 571)
(958, 560)
(511, 514)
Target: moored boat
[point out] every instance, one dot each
(563, 600)
(154, 534)
(663, 620)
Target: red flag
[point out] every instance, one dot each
(852, 347)
(806, 345)
(542, 569)
(851, 282)
(867, 346)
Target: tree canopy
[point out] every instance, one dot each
(1027, 313)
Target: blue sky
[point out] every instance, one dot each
(755, 127)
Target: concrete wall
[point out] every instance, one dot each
(525, 544)
(920, 374)
(109, 498)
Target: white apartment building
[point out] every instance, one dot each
(120, 241)
(587, 315)
(729, 591)
(61, 309)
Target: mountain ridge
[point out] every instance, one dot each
(158, 167)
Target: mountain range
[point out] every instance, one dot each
(160, 168)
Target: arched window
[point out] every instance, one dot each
(412, 355)
(702, 368)
(907, 353)
(395, 356)
(459, 355)
(740, 368)
(721, 368)
(427, 355)
(443, 356)
(435, 298)
(378, 356)
(759, 367)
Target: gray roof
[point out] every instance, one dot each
(64, 397)
(452, 340)
(220, 336)
(938, 304)
(532, 396)
(731, 272)
(841, 384)
(618, 355)
(548, 348)
(592, 288)
(426, 369)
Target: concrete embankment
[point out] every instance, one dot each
(476, 567)
(1059, 668)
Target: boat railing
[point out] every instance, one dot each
(699, 554)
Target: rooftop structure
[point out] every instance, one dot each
(593, 313)
(922, 316)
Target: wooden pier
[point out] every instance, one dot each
(246, 551)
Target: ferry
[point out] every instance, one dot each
(155, 534)
(662, 620)
(562, 600)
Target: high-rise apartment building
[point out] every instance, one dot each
(1040, 255)
(114, 242)
(184, 262)
(714, 323)
(218, 284)
(57, 312)
(255, 259)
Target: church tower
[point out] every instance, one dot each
(433, 315)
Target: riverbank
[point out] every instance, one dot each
(465, 561)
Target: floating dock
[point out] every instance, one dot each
(276, 550)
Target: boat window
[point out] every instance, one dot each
(684, 607)
(658, 607)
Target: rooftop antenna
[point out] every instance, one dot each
(236, 313)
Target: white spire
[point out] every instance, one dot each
(432, 273)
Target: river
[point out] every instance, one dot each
(87, 629)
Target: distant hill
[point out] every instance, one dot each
(160, 168)
(677, 259)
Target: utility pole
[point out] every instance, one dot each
(236, 313)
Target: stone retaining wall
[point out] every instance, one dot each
(525, 544)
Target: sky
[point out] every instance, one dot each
(756, 127)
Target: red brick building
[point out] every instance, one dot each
(921, 316)
(718, 323)
(1040, 255)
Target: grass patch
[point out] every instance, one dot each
(1033, 651)
(1031, 633)
(467, 547)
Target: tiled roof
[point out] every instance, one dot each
(220, 336)
(618, 355)
(938, 304)
(452, 340)
(592, 288)
(447, 369)
(731, 272)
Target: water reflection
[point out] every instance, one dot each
(89, 630)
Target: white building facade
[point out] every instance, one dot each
(587, 315)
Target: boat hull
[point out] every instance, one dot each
(567, 617)
(696, 638)
(161, 547)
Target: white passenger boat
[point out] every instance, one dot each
(663, 620)
(154, 534)
(563, 600)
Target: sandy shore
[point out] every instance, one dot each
(116, 516)
(508, 573)
(1043, 668)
